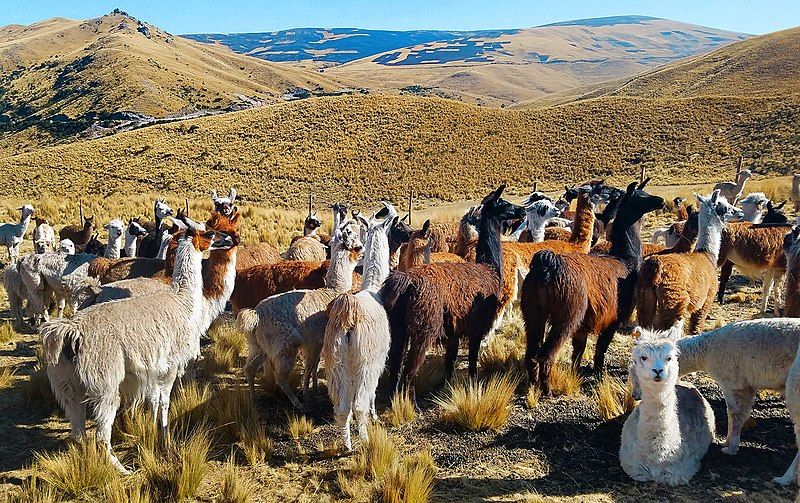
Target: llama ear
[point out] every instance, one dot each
(214, 195)
(781, 205)
(491, 197)
(232, 194)
(426, 228)
(405, 217)
(700, 199)
(676, 332)
(631, 189)
(637, 332)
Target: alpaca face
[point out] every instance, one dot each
(719, 207)
(224, 205)
(67, 247)
(162, 209)
(115, 229)
(753, 204)
(540, 212)
(135, 229)
(27, 210)
(654, 361)
(313, 222)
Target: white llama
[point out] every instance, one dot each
(667, 435)
(115, 228)
(11, 234)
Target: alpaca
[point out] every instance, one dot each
(584, 294)
(791, 249)
(11, 235)
(282, 324)
(56, 274)
(753, 207)
(447, 301)
(15, 291)
(224, 205)
(667, 435)
(79, 235)
(111, 270)
(444, 236)
(307, 248)
(250, 255)
(743, 357)
(115, 230)
(44, 237)
(399, 236)
(537, 215)
(357, 337)
(66, 247)
(133, 232)
(312, 225)
(258, 282)
(678, 286)
(418, 250)
(733, 191)
(135, 347)
(680, 235)
(151, 243)
(792, 394)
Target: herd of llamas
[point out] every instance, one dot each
(576, 266)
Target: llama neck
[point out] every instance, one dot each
(536, 228)
(22, 227)
(740, 181)
(219, 274)
(309, 232)
(658, 429)
(376, 261)
(709, 235)
(583, 228)
(166, 237)
(754, 216)
(187, 277)
(114, 247)
(626, 241)
(693, 351)
(130, 245)
(488, 250)
(340, 271)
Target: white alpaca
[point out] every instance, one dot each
(357, 336)
(15, 290)
(66, 247)
(743, 358)
(281, 324)
(11, 235)
(733, 191)
(134, 347)
(53, 273)
(537, 216)
(115, 230)
(133, 232)
(44, 237)
(667, 435)
(754, 206)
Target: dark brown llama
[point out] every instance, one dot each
(77, 234)
(447, 301)
(580, 294)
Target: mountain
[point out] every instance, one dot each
(60, 77)
(500, 67)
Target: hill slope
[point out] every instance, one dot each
(62, 75)
(363, 148)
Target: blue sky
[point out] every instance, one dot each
(228, 16)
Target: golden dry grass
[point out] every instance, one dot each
(235, 489)
(401, 410)
(506, 350)
(83, 467)
(7, 333)
(532, 397)
(564, 380)
(37, 388)
(412, 481)
(228, 345)
(256, 446)
(176, 474)
(298, 426)
(478, 405)
(613, 397)
(6, 377)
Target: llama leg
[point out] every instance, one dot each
(105, 410)
(343, 410)
(283, 369)
(165, 393)
(769, 278)
(476, 329)
(697, 321)
(724, 275)
(251, 369)
(578, 348)
(791, 473)
(414, 360)
(740, 404)
(534, 335)
(547, 356)
(451, 354)
(70, 395)
(776, 294)
(603, 341)
(362, 402)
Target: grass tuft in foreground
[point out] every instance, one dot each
(613, 397)
(401, 411)
(478, 405)
(564, 380)
(83, 467)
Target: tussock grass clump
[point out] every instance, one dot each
(401, 411)
(83, 467)
(298, 426)
(176, 474)
(7, 333)
(228, 345)
(235, 489)
(411, 481)
(613, 397)
(255, 444)
(533, 396)
(478, 405)
(219, 360)
(564, 380)
(431, 375)
(136, 427)
(37, 389)
(125, 491)
(231, 411)
(34, 490)
(506, 351)
(6, 377)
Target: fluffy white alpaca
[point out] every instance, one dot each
(11, 234)
(44, 237)
(15, 290)
(754, 206)
(133, 232)
(224, 205)
(743, 358)
(667, 435)
(53, 273)
(115, 230)
(357, 336)
(537, 215)
(66, 247)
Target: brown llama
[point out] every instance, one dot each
(444, 236)
(418, 250)
(253, 254)
(791, 248)
(675, 286)
(467, 238)
(447, 301)
(79, 235)
(581, 294)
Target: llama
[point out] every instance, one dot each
(135, 347)
(15, 291)
(224, 205)
(44, 237)
(282, 324)
(584, 294)
(444, 236)
(447, 301)
(151, 243)
(111, 270)
(357, 337)
(743, 357)
(258, 282)
(79, 235)
(133, 232)
(467, 238)
(791, 249)
(678, 286)
(733, 191)
(680, 235)
(399, 236)
(753, 207)
(418, 250)
(537, 215)
(667, 435)
(11, 235)
(66, 247)
(250, 255)
(792, 395)
(115, 230)
(307, 248)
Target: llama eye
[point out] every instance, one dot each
(669, 358)
(644, 358)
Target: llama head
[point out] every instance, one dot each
(775, 214)
(312, 222)
(536, 196)
(744, 175)
(678, 202)
(634, 205)
(162, 209)
(716, 206)
(588, 198)
(348, 237)
(340, 209)
(88, 222)
(115, 229)
(229, 224)
(201, 238)
(224, 205)
(654, 360)
(66, 247)
(753, 205)
(540, 212)
(40, 220)
(135, 228)
(27, 210)
(400, 233)
(95, 246)
(498, 208)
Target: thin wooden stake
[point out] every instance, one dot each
(738, 168)
(186, 203)
(535, 185)
(80, 211)
(410, 204)
(310, 203)
(642, 173)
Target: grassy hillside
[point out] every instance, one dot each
(362, 148)
(61, 76)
